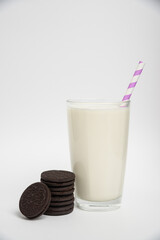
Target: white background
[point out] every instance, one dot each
(54, 50)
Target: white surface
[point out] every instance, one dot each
(54, 50)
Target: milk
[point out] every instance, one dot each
(98, 137)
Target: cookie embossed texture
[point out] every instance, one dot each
(58, 184)
(60, 189)
(60, 208)
(53, 193)
(64, 203)
(58, 213)
(58, 176)
(62, 198)
(35, 200)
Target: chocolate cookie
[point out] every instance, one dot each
(60, 208)
(55, 184)
(65, 203)
(60, 189)
(57, 213)
(58, 176)
(35, 200)
(53, 193)
(61, 198)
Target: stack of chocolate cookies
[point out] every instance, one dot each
(61, 185)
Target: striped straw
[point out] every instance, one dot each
(134, 81)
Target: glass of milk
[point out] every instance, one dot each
(98, 136)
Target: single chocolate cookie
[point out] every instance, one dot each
(57, 176)
(65, 203)
(60, 208)
(55, 184)
(60, 189)
(62, 193)
(35, 200)
(61, 198)
(57, 213)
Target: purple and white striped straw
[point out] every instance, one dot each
(134, 81)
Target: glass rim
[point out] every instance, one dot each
(95, 101)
